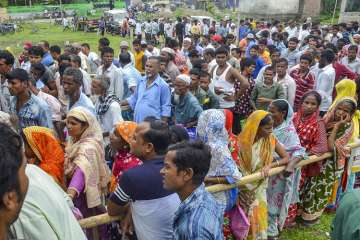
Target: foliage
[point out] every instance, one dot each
(3, 3)
(328, 6)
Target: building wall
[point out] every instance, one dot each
(354, 15)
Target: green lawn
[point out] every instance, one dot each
(81, 8)
(54, 35)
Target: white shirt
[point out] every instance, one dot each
(353, 66)
(324, 84)
(155, 52)
(289, 86)
(138, 28)
(303, 34)
(86, 82)
(116, 79)
(147, 27)
(53, 103)
(168, 28)
(111, 117)
(84, 64)
(93, 60)
(293, 32)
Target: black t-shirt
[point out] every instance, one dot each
(179, 28)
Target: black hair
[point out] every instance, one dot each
(125, 58)
(158, 135)
(157, 58)
(353, 47)
(352, 103)
(263, 41)
(195, 71)
(209, 51)
(332, 47)
(65, 57)
(10, 161)
(312, 93)
(307, 57)
(294, 39)
(328, 54)
(246, 62)
(281, 105)
(266, 120)
(76, 58)
(37, 51)
(150, 119)
(256, 47)
(136, 42)
(45, 43)
(221, 50)
(173, 43)
(193, 53)
(9, 58)
(283, 60)
(104, 42)
(195, 155)
(205, 74)
(178, 134)
(86, 45)
(197, 64)
(39, 67)
(63, 67)
(106, 50)
(55, 49)
(269, 68)
(18, 73)
(237, 50)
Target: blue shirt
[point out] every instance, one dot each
(259, 64)
(243, 31)
(47, 59)
(188, 109)
(199, 217)
(131, 78)
(154, 100)
(85, 102)
(35, 112)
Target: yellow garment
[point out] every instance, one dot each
(266, 57)
(347, 88)
(88, 154)
(139, 61)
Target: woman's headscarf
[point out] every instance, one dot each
(347, 88)
(88, 154)
(126, 130)
(246, 140)
(48, 150)
(211, 130)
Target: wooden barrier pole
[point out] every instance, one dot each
(105, 218)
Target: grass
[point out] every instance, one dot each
(81, 8)
(55, 36)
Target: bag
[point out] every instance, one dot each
(239, 223)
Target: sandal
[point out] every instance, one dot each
(310, 223)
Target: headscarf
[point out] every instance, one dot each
(48, 150)
(344, 134)
(126, 130)
(347, 88)
(246, 139)
(211, 130)
(88, 154)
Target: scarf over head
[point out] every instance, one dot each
(126, 130)
(246, 139)
(48, 150)
(88, 154)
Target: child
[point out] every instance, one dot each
(119, 141)
(265, 92)
(210, 101)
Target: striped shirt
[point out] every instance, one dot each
(303, 84)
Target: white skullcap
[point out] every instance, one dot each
(187, 39)
(168, 50)
(185, 78)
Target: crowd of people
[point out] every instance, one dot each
(142, 133)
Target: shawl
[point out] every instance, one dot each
(48, 150)
(105, 102)
(233, 144)
(343, 136)
(312, 134)
(88, 154)
(246, 139)
(126, 130)
(211, 130)
(347, 88)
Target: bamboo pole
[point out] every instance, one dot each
(105, 218)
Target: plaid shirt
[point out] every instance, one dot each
(34, 112)
(199, 217)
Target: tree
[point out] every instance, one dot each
(3, 3)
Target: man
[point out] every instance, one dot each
(151, 208)
(351, 60)
(292, 29)
(274, 56)
(124, 48)
(131, 76)
(103, 42)
(92, 58)
(292, 54)
(304, 78)
(110, 70)
(152, 95)
(171, 69)
(180, 30)
(187, 108)
(30, 110)
(254, 54)
(285, 80)
(199, 216)
(224, 77)
(14, 182)
(6, 63)
(72, 82)
(151, 50)
(47, 59)
(139, 55)
(325, 79)
(75, 61)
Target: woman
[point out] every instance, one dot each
(120, 142)
(340, 129)
(211, 130)
(257, 146)
(45, 150)
(86, 172)
(311, 131)
(282, 190)
(233, 144)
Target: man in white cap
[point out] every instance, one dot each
(124, 48)
(187, 108)
(168, 55)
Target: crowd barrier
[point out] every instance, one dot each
(94, 221)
